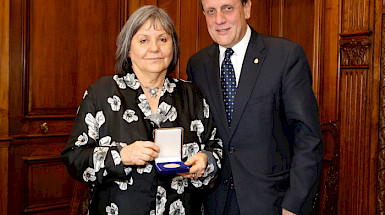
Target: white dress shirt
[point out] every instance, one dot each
(238, 55)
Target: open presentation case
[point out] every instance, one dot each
(169, 160)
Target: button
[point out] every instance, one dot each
(225, 181)
(232, 150)
(232, 186)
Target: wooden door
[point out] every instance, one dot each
(57, 49)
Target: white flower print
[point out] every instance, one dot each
(112, 210)
(152, 212)
(208, 179)
(218, 160)
(82, 140)
(144, 105)
(114, 102)
(77, 111)
(196, 182)
(175, 80)
(213, 133)
(105, 173)
(164, 108)
(123, 184)
(167, 112)
(119, 82)
(129, 116)
(127, 170)
(85, 94)
(176, 208)
(94, 124)
(105, 141)
(179, 183)
(220, 143)
(209, 169)
(131, 181)
(131, 81)
(206, 109)
(99, 156)
(146, 169)
(197, 126)
(168, 86)
(160, 200)
(89, 175)
(190, 149)
(218, 151)
(172, 114)
(116, 157)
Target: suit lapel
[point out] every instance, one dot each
(249, 74)
(212, 66)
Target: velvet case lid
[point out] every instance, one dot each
(169, 160)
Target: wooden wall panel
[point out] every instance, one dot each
(302, 22)
(4, 100)
(355, 16)
(381, 129)
(65, 47)
(56, 37)
(188, 32)
(330, 68)
(4, 145)
(4, 67)
(40, 182)
(260, 18)
(51, 170)
(354, 147)
(358, 107)
(326, 202)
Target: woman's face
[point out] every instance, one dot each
(151, 49)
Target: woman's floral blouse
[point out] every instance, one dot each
(115, 113)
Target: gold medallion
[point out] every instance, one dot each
(172, 165)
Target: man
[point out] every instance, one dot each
(266, 115)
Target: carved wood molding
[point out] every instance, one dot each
(329, 189)
(355, 51)
(381, 130)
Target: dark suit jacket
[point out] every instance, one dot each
(274, 147)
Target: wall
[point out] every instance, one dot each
(4, 86)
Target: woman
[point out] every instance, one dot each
(111, 144)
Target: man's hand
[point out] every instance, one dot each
(285, 212)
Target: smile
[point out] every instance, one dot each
(223, 30)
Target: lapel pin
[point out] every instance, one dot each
(256, 61)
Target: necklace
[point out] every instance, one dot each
(152, 91)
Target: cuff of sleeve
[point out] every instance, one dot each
(210, 160)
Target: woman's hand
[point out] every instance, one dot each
(197, 163)
(139, 153)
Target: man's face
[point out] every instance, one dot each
(226, 20)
